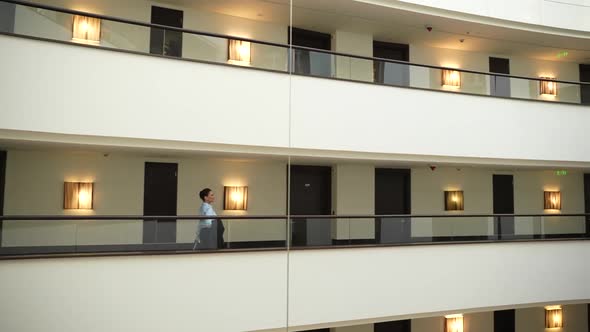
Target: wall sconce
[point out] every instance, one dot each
(553, 317)
(548, 87)
(552, 200)
(235, 198)
(454, 323)
(78, 195)
(454, 200)
(239, 52)
(451, 78)
(86, 30)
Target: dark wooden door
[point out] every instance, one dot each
(162, 41)
(391, 73)
(585, 89)
(504, 321)
(392, 196)
(394, 326)
(310, 194)
(499, 85)
(311, 62)
(159, 199)
(503, 196)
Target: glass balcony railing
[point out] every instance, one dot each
(37, 235)
(81, 28)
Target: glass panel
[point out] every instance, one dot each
(390, 73)
(569, 93)
(313, 63)
(39, 234)
(500, 86)
(125, 36)
(311, 232)
(42, 23)
(205, 48)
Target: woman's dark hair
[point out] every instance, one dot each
(204, 193)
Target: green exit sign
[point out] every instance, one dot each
(561, 172)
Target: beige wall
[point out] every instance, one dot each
(528, 199)
(354, 194)
(527, 320)
(476, 322)
(431, 78)
(429, 324)
(35, 186)
(267, 188)
(428, 198)
(575, 319)
(356, 44)
(475, 83)
(538, 68)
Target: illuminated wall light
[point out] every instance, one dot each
(548, 87)
(235, 198)
(239, 52)
(454, 200)
(78, 195)
(552, 200)
(454, 323)
(86, 30)
(553, 317)
(451, 78)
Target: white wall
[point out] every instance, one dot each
(357, 284)
(255, 95)
(145, 293)
(397, 120)
(34, 185)
(203, 103)
(185, 292)
(568, 14)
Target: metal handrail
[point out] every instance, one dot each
(288, 46)
(270, 217)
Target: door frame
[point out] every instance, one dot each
(300, 226)
(146, 221)
(407, 175)
(508, 221)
